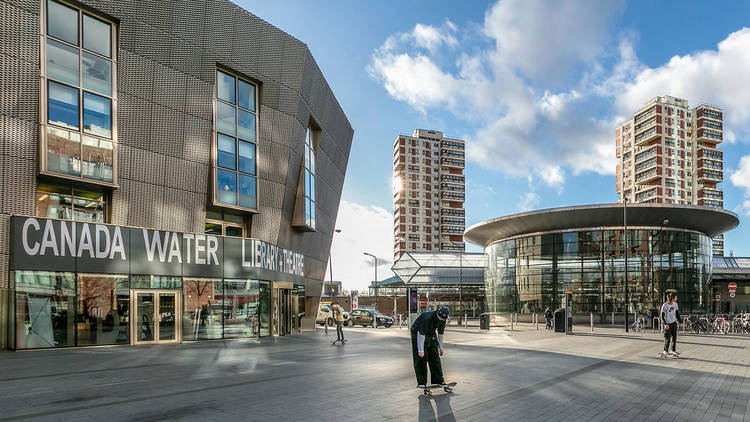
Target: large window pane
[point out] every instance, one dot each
(202, 316)
(97, 159)
(103, 309)
(62, 106)
(226, 184)
(312, 186)
(247, 192)
(246, 95)
(240, 308)
(97, 74)
(233, 231)
(225, 87)
(62, 22)
(97, 115)
(63, 152)
(62, 62)
(52, 204)
(226, 148)
(225, 119)
(88, 207)
(265, 308)
(213, 228)
(247, 157)
(96, 36)
(45, 309)
(246, 125)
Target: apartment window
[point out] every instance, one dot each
(224, 224)
(70, 204)
(236, 122)
(310, 178)
(78, 125)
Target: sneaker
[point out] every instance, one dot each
(443, 384)
(674, 353)
(421, 386)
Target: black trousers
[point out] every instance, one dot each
(340, 330)
(431, 357)
(670, 335)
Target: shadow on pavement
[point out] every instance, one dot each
(443, 412)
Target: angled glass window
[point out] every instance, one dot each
(62, 62)
(79, 95)
(96, 36)
(70, 204)
(226, 182)
(62, 22)
(97, 115)
(97, 74)
(310, 199)
(226, 149)
(236, 123)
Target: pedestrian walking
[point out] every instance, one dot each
(669, 321)
(427, 346)
(548, 318)
(339, 314)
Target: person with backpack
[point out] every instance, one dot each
(548, 318)
(339, 315)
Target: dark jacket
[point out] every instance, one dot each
(427, 323)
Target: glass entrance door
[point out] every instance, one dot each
(156, 315)
(281, 308)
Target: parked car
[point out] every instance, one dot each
(366, 317)
(325, 313)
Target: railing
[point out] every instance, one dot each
(645, 124)
(453, 212)
(645, 115)
(449, 144)
(453, 220)
(452, 178)
(452, 162)
(710, 174)
(711, 134)
(449, 195)
(646, 154)
(646, 164)
(710, 165)
(711, 114)
(646, 134)
(711, 203)
(645, 195)
(713, 195)
(645, 175)
(711, 125)
(738, 324)
(448, 153)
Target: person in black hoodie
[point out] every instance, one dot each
(427, 345)
(548, 317)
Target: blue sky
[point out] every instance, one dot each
(535, 88)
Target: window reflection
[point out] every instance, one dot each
(69, 204)
(97, 74)
(45, 309)
(96, 36)
(203, 314)
(97, 115)
(98, 159)
(62, 22)
(63, 151)
(247, 191)
(62, 106)
(241, 313)
(62, 62)
(103, 309)
(226, 184)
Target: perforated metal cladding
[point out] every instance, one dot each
(168, 53)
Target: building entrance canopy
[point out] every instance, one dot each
(424, 268)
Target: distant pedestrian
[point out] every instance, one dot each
(427, 346)
(339, 314)
(669, 321)
(548, 318)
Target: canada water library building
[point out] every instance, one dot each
(170, 171)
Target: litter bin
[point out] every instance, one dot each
(560, 320)
(484, 321)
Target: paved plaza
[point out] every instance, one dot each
(522, 375)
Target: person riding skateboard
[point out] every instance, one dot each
(339, 313)
(427, 346)
(669, 320)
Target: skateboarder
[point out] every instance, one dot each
(339, 314)
(669, 320)
(427, 346)
(548, 318)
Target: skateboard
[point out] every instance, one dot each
(669, 355)
(448, 388)
(342, 341)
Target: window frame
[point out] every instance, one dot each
(44, 92)
(215, 141)
(70, 193)
(225, 224)
(312, 140)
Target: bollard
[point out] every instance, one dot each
(613, 318)
(536, 321)
(511, 321)
(592, 321)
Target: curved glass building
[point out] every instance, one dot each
(532, 258)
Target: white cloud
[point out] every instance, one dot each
(431, 37)
(741, 179)
(717, 76)
(553, 176)
(364, 228)
(529, 201)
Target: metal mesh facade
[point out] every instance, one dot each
(168, 52)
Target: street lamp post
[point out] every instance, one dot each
(625, 231)
(655, 234)
(376, 282)
(330, 266)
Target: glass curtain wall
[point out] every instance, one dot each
(241, 313)
(265, 308)
(530, 273)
